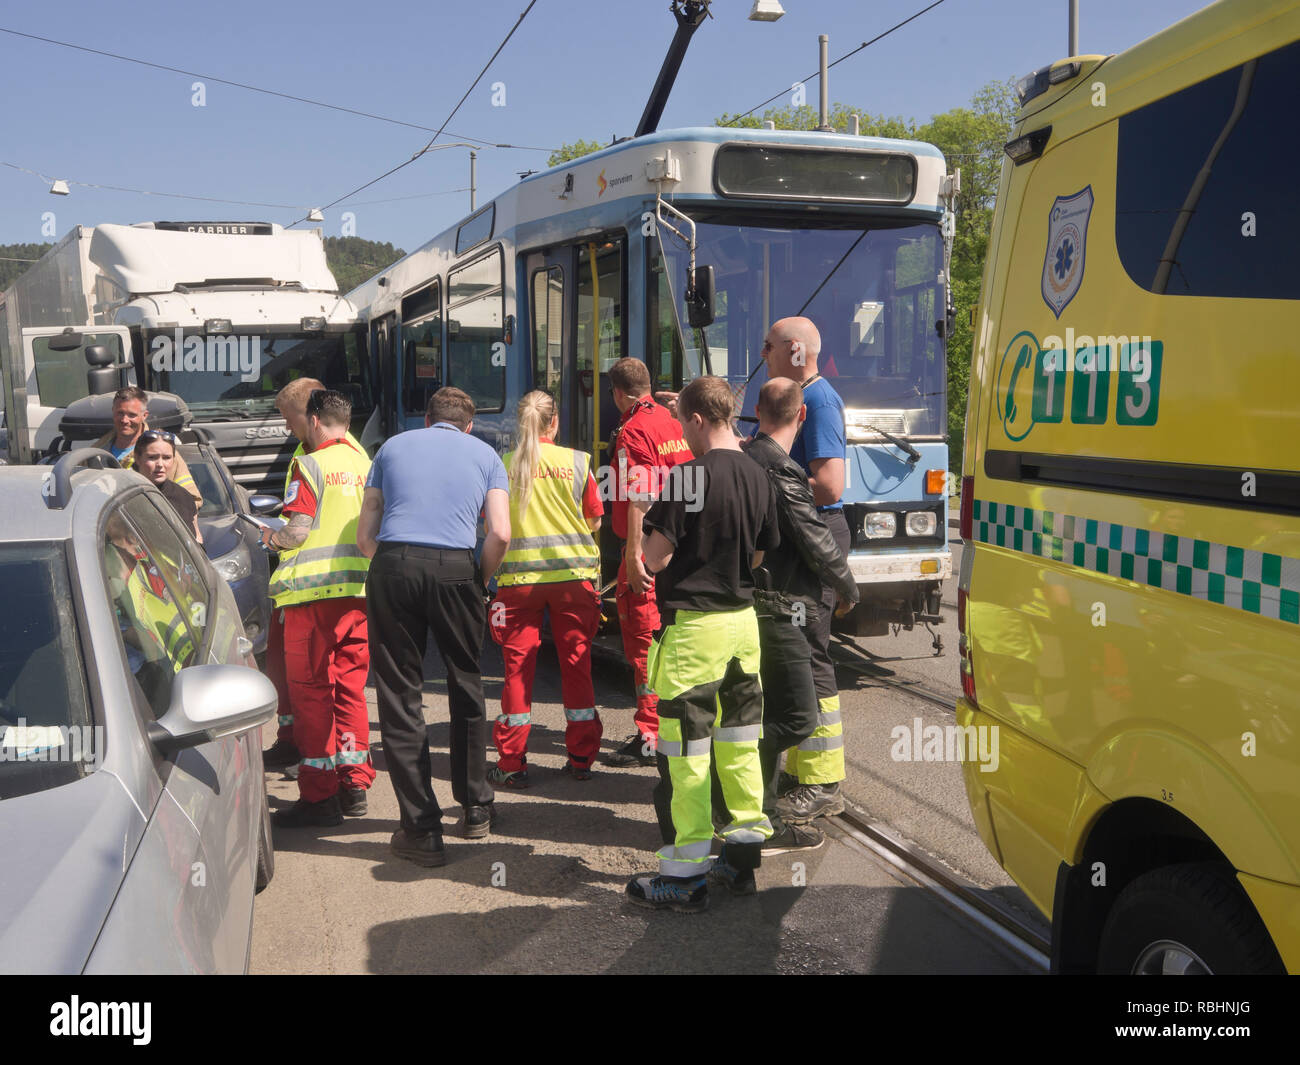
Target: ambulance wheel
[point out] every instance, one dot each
(265, 850)
(1186, 920)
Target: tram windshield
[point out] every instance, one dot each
(874, 294)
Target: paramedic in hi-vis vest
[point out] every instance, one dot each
(320, 582)
(648, 444)
(291, 402)
(552, 565)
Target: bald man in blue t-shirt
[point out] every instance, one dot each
(791, 350)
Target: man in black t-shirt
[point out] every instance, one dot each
(713, 521)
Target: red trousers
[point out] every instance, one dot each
(638, 621)
(327, 657)
(275, 673)
(515, 621)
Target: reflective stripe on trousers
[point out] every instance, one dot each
(820, 758)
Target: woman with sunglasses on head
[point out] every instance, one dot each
(155, 458)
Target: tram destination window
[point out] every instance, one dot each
(475, 339)
(771, 172)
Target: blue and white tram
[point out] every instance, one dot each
(577, 266)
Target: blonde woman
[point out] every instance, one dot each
(552, 565)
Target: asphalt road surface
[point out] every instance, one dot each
(544, 893)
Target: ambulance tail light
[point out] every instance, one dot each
(964, 662)
(967, 519)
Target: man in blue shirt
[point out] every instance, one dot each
(791, 350)
(419, 521)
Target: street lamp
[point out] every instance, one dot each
(473, 163)
(766, 11)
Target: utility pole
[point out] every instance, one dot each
(473, 170)
(823, 45)
(1074, 28)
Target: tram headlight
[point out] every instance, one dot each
(880, 525)
(921, 523)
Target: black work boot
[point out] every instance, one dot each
(304, 814)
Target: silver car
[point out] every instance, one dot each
(133, 819)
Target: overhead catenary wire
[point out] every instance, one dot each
(846, 55)
(266, 92)
(438, 133)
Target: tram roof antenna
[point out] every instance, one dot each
(689, 14)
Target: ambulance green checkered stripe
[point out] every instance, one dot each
(1254, 581)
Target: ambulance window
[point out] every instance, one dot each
(1236, 236)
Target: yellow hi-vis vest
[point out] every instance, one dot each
(328, 565)
(300, 451)
(552, 543)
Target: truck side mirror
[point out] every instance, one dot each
(699, 298)
(104, 375)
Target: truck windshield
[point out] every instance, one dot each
(874, 294)
(239, 375)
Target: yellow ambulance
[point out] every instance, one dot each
(1129, 595)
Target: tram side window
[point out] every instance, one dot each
(548, 323)
(600, 305)
(422, 346)
(475, 313)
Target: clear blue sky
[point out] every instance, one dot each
(575, 69)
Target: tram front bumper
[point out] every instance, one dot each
(903, 566)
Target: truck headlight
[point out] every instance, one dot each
(235, 565)
(880, 525)
(921, 523)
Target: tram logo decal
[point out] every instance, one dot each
(600, 180)
(1067, 234)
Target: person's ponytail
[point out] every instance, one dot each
(534, 413)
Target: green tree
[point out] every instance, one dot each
(568, 152)
(353, 260)
(970, 138)
(14, 261)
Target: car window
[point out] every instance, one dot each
(185, 580)
(152, 620)
(216, 500)
(46, 736)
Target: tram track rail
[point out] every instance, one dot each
(861, 662)
(972, 904)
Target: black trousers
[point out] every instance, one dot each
(789, 695)
(410, 590)
(819, 631)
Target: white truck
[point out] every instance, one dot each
(223, 314)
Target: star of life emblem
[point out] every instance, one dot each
(1067, 234)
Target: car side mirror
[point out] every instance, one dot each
(265, 505)
(211, 702)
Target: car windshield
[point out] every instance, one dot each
(46, 738)
(874, 294)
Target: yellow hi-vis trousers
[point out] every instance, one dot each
(704, 669)
(820, 758)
